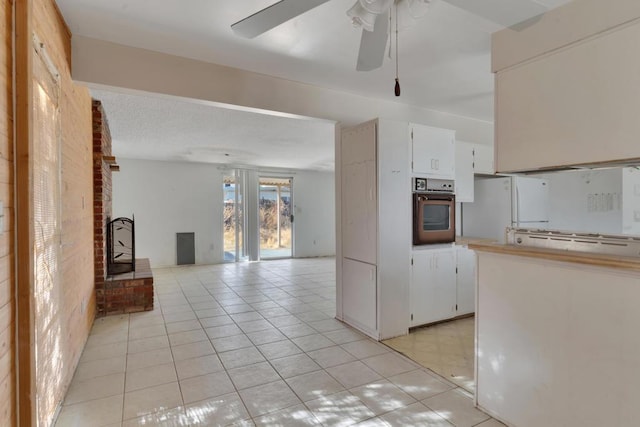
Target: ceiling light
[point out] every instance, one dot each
(360, 17)
(364, 12)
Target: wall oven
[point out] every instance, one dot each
(434, 211)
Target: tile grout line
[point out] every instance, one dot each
(126, 363)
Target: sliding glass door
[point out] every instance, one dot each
(234, 235)
(276, 217)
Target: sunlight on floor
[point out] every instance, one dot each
(252, 344)
(446, 348)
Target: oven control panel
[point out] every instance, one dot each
(429, 185)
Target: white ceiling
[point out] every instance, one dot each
(444, 58)
(157, 128)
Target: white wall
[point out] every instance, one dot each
(586, 200)
(168, 198)
(171, 197)
(315, 214)
(104, 64)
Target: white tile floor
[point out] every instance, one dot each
(252, 344)
(447, 349)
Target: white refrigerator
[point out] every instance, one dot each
(506, 202)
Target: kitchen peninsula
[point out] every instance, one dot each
(557, 339)
(557, 331)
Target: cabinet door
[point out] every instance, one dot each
(420, 287)
(466, 280)
(464, 171)
(483, 159)
(433, 151)
(445, 290)
(433, 286)
(576, 105)
(359, 295)
(359, 194)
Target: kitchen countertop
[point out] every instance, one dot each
(465, 240)
(594, 259)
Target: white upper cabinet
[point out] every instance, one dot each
(483, 159)
(464, 171)
(574, 101)
(433, 151)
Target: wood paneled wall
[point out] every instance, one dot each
(7, 300)
(70, 306)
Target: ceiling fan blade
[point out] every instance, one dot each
(503, 12)
(373, 45)
(272, 16)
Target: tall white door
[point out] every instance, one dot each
(359, 194)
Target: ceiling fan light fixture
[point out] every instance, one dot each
(417, 8)
(361, 17)
(376, 6)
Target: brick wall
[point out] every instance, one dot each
(102, 191)
(123, 293)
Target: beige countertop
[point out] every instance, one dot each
(465, 240)
(600, 260)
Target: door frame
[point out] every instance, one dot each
(291, 204)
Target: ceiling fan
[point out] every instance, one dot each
(373, 17)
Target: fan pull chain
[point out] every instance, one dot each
(397, 86)
(390, 31)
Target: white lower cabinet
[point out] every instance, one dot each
(432, 295)
(442, 284)
(465, 280)
(359, 294)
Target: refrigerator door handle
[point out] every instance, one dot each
(515, 212)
